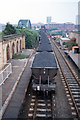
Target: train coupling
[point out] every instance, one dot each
(37, 87)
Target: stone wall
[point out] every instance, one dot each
(1, 56)
(10, 45)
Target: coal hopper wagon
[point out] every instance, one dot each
(44, 70)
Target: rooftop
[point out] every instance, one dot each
(78, 32)
(65, 39)
(7, 37)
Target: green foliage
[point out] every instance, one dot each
(34, 27)
(0, 33)
(64, 43)
(30, 37)
(70, 44)
(19, 56)
(9, 30)
(37, 26)
(63, 36)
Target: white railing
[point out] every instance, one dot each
(4, 73)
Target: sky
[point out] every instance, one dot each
(61, 11)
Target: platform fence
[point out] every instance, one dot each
(5, 72)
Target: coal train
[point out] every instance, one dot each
(44, 66)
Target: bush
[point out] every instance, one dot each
(70, 44)
(20, 56)
(64, 43)
(30, 37)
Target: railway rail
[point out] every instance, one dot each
(37, 105)
(71, 83)
(41, 107)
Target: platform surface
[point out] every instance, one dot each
(18, 95)
(13, 108)
(76, 59)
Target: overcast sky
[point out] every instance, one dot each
(37, 10)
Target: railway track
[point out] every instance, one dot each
(41, 107)
(71, 83)
(38, 105)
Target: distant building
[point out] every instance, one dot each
(77, 19)
(48, 20)
(24, 23)
(37, 25)
(79, 16)
(61, 26)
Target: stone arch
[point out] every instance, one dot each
(8, 52)
(20, 44)
(13, 48)
(17, 46)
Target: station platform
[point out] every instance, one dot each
(20, 78)
(75, 57)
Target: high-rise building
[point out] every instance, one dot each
(77, 19)
(79, 16)
(48, 20)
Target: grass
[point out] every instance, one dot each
(20, 56)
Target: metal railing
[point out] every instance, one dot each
(5, 72)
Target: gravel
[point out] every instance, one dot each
(62, 109)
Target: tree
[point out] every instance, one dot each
(30, 37)
(9, 29)
(71, 43)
